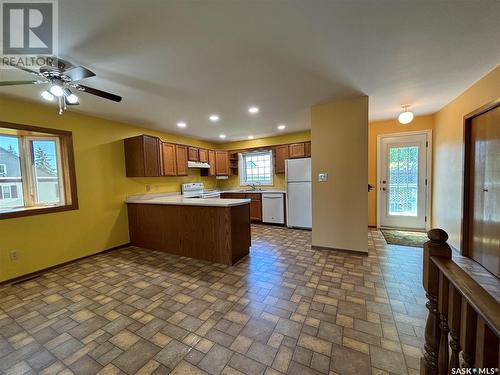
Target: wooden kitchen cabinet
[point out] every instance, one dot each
(221, 163)
(211, 161)
(203, 155)
(181, 159)
(255, 206)
(142, 156)
(297, 150)
(169, 167)
(282, 153)
(232, 195)
(193, 154)
(308, 149)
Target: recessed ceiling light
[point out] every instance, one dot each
(281, 127)
(214, 118)
(253, 109)
(250, 137)
(181, 124)
(222, 136)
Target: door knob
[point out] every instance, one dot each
(485, 190)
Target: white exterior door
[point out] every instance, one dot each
(403, 181)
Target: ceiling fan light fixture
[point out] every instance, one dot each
(72, 98)
(47, 96)
(56, 90)
(406, 116)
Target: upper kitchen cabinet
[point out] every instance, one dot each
(308, 149)
(181, 156)
(282, 153)
(221, 163)
(169, 164)
(211, 161)
(193, 154)
(203, 155)
(142, 156)
(297, 150)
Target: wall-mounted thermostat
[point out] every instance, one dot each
(322, 177)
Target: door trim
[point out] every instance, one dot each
(464, 242)
(428, 195)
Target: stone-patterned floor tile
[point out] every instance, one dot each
(285, 309)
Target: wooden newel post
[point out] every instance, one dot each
(435, 247)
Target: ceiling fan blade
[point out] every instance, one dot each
(102, 94)
(56, 62)
(78, 73)
(24, 69)
(16, 83)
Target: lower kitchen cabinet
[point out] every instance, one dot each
(255, 204)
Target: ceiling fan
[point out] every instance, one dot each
(62, 76)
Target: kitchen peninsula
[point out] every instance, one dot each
(216, 230)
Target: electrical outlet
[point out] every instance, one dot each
(148, 187)
(322, 177)
(13, 255)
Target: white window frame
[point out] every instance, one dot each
(242, 169)
(28, 172)
(30, 169)
(4, 169)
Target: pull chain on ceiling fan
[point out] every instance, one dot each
(61, 76)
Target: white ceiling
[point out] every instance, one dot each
(183, 60)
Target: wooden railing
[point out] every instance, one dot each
(463, 317)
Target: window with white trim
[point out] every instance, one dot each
(256, 168)
(36, 171)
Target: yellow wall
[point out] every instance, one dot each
(279, 179)
(101, 221)
(387, 127)
(339, 138)
(448, 153)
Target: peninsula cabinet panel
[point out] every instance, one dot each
(308, 149)
(222, 234)
(297, 150)
(181, 156)
(203, 155)
(193, 154)
(168, 159)
(221, 163)
(282, 153)
(142, 156)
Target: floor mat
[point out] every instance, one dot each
(404, 238)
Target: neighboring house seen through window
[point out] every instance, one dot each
(36, 170)
(256, 168)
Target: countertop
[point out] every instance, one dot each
(179, 200)
(249, 191)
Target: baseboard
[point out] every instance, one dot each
(32, 275)
(351, 252)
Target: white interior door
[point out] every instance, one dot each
(402, 181)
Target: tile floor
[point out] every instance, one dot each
(284, 309)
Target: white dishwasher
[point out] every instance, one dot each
(273, 208)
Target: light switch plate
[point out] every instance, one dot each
(322, 177)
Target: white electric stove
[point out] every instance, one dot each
(197, 190)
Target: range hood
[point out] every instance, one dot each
(198, 164)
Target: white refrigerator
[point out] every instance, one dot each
(298, 193)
